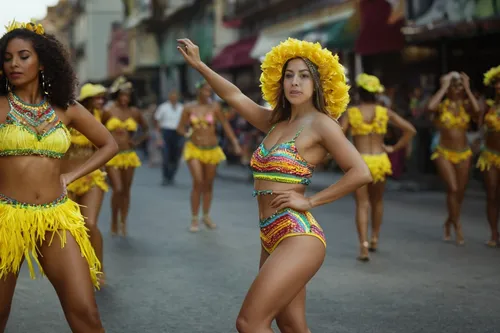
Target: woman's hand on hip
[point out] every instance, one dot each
(290, 199)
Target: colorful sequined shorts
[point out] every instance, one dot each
(379, 165)
(454, 156)
(24, 228)
(206, 155)
(84, 184)
(488, 159)
(288, 223)
(124, 160)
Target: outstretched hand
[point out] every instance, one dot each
(189, 51)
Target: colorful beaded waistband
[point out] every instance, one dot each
(10, 201)
(262, 192)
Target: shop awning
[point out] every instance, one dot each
(336, 35)
(235, 55)
(309, 24)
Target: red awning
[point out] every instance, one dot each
(377, 35)
(235, 55)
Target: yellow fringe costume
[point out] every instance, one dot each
(449, 120)
(490, 158)
(37, 131)
(96, 178)
(125, 159)
(206, 155)
(23, 229)
(379, 164)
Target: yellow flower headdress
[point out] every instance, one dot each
(491, 75)
(331, 73)
(369, 83)
(31, 26)
(120, 83)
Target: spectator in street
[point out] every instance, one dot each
(368, 124)
(453, 105)
(167, 119)
(305, 84)
(202, 151)
(489, 160)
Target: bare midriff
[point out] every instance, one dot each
(369, 144)
(452, 138)
(264, 201)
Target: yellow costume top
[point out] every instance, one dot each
(451, 120)
(33, 130)
(78, 139)
(492, 118)
(115, 123)
(377, 126)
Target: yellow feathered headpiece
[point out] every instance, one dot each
(491, 75)
(120, 83)
(331, 73)
(369, 83)
(31, 26)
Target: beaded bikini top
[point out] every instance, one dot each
(359, 127)
(203, 121)
(128, 124)
(33, 129)
(281, 163)
(78, 139)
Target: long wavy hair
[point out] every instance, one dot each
(59, 78)
(283, 109)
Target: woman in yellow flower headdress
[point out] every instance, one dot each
(202, 151)
(88, 191)
(453, 103)
(39, 223)
(368, 125)
(489, 160)
(122, 120)
(306, 86)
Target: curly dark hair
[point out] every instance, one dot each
(60, 79)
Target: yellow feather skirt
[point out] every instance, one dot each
(379, 165)
(124, 160)
(488, 159)
(84, 184)
(24, 227)
(454, 156)
(206, 155)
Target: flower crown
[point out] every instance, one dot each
(120, 83)
(31, 26)
(331, 73)
(369, 83)
(491, 75)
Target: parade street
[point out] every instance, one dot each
(164, 279)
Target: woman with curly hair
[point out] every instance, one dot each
(39, 224)
(122, 120)
(307, 89)
(202, 151)
(368, 123)
(489, 160)
(453, 105)
(88, 191)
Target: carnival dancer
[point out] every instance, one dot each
(368, 125)
(39, 224)
(122, 120)
(202, 151)
(88, 191)
(307, 88)
(454, 104)
(489, 160)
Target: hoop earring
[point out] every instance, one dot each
(44, 88)
(7, 85)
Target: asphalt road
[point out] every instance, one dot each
(164, 279)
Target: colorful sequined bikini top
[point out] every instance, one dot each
(282, 163)
(33, 130)
(115, 123)
(202, 122)
(78, 139)
(377, 126)
(492, 118)
(449, 120)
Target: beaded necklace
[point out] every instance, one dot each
(33, 115)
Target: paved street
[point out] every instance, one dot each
(164, 279)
